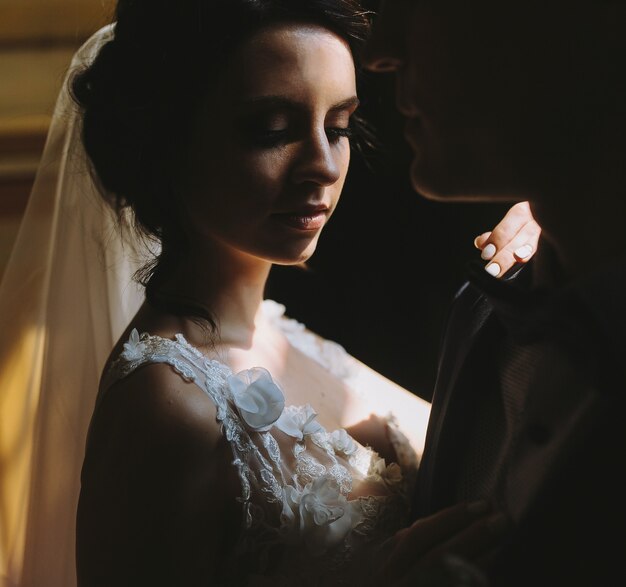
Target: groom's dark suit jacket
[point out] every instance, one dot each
(528, 411)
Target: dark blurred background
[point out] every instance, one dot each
(389, 262)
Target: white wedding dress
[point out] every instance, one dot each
(316, 503)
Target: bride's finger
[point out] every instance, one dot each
(473, 542)
(426, 534)
(513, 221)
(520, 249)
(469, 545)
(516, 217)
(481, 240)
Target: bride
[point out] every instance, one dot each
(218, 448)
(227, 444)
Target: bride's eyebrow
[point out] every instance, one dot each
(351, 103)
(282, 103)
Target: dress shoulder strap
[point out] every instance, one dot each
(185, 359)
(257, 460)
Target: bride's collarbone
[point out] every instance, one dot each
(302, 379)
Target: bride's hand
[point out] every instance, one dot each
(513, 240)
(444, 549)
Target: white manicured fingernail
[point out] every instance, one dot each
(524, 251)
(488, 252)
(493, 269)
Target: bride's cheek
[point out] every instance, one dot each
(262, 172)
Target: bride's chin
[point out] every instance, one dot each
(297, 256)
(299, 261)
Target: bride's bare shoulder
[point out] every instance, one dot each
(154, 405)
(156, 475)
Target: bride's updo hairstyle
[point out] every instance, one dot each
(141, 97)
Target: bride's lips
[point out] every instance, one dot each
(309, 218)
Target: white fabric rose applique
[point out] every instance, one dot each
(258, 398)
(319, 515)
(299, 421)
(342, 442)
(133, 348)
(390, 474)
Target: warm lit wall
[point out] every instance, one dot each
(33, 21)
(37, 40)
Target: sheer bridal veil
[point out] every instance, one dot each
(66, 296)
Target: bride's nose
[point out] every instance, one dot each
(318, 160)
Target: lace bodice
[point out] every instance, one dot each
(314, 501)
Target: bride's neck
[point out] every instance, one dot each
(230, 287)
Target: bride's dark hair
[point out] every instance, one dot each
(139, 96)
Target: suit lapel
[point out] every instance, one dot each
(452, 408)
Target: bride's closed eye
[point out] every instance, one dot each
(266, 130)
(268, 122)
(339, 122)
(335, 134)
(262, 134)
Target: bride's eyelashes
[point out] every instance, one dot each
(336, 133)
(277, 138)
(267, 134)
(264, 129)
(266, 138)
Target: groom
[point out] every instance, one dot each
(511, 101)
